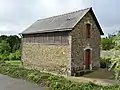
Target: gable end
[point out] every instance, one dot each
(96, 21)
(94, 17)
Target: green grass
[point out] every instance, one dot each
(14, 62)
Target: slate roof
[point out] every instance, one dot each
(62, 22)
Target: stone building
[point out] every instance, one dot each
(63, 44)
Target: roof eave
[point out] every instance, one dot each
(47, 31)
(97, 23)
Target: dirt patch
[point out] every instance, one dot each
(99, 76)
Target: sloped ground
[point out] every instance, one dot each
(100, 77)
(100, 74)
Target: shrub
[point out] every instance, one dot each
(17, 55)
(105, 62)
(11, 56)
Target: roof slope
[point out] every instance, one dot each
(56, 23)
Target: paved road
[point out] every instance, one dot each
(8, 83)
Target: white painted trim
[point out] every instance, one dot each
(90, 66)
(69, 58)
(83, 67)
(88, 47)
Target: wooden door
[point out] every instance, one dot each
(87, 58)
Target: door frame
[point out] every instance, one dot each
(90, 65)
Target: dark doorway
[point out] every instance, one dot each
(87, 58)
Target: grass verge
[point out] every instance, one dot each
(48, 80)
(14, 62)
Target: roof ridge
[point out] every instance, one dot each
(58, 22)
(65, 13)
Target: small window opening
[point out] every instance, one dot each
(88, 30)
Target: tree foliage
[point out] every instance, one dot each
(112, 44)
(115, 64)
(107, 43)
(9, 47)
(4, 47)
(116, 40)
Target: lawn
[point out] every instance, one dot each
(14, 62)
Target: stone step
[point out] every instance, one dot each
(83, 72)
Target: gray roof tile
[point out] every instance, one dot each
(56, 23)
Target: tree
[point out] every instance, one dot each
(17, 55)
(107, 43)
(9, 47)
(4, 47)
(116, 40)
(14, 42)
(3, 37)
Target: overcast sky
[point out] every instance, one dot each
(17, 15)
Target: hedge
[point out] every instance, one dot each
(48, 80)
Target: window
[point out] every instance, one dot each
(29, 39)
(49, 38)
(33, 39)
(40, 39)
(57, 39)
(64, 39)
(37, 39)
(88, 30)
(44, 39)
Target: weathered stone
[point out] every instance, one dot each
(79, 43)
(65, 59)
(52, 58)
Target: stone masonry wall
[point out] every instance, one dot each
(79, 43)
(64, 59)
(49, 58)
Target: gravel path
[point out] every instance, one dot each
(8, 83)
